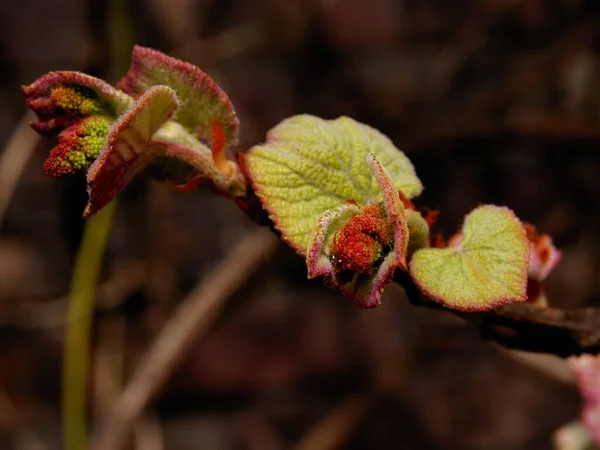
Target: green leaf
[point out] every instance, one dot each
(202, 100)
(309, 165)
(487, 269)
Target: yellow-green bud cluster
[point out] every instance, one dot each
(79, 146)
(79, 100)
(92, 135)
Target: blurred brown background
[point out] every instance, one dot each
(494, 101)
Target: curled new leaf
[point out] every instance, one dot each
(105, 133)
(203, 102)
(358, 247)
(145, 138)
(128, 148)
(309, 165)
(200, 163)
(484, 267)
(543, 257)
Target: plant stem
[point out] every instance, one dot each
(78, 327)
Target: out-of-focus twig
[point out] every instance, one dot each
(108, 366)
(148, 433)
(25, 438)
(13, 159)
(332, 431)
(49, 314)
(551, 366)
(192, 318)
(162, 255)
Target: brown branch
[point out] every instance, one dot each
(561, 332)
(193, 317)
(523, 326)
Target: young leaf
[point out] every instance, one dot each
(202, 100)
(128, 148)
(394, 209)
(358, 248)
(309, 165)
(318, 259)
(418, 231)
(106, 133)
(543, 257)
(176, 145)
(486, 269)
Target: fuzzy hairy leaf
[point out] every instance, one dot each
(357, 248)
(309, 165)
(175, 144)
(202, 100)
(318, 258)
(486, 269)
(418, 231)
(128, 147)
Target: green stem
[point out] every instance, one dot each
(78, 328)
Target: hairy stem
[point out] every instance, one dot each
(77, 333)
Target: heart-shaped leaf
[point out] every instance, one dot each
(202, 100)
(486, 269)
(309, 165)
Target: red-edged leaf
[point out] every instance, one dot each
(483, 267)
(358, 248)
(174, 143)
(128, 148)
(203, 101)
